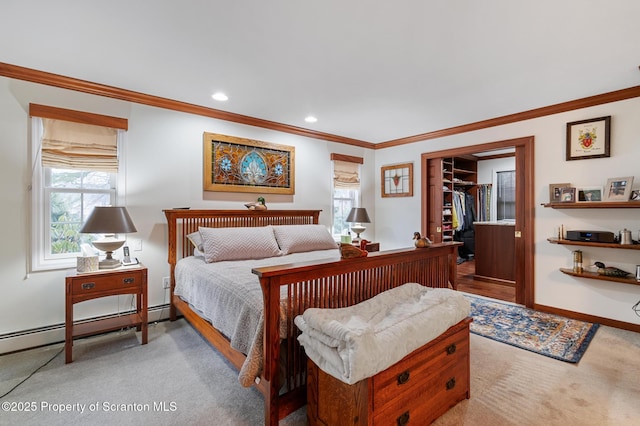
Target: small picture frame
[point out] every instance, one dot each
(635, 195)
(567, 195)
(589, 194)
(396, 180)
(554, 191)
(618, 189)
(588, 138)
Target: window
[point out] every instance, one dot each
(75, 168)
(346, 190)
(506, 195)
(69, 198)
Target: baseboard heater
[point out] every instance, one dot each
(155, 314)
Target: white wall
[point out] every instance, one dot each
(397, 219)
(163, 170)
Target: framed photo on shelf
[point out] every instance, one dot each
(567, 195)
(635, 195)
(618, 189)
(589, 194)
(554, 191)
(397, 180)
(588, 138)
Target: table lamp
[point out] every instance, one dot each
(358, 216)
(108, 221)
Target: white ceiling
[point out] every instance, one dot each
(371, 70)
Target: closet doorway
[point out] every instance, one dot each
(434, 166)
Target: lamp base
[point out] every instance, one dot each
(358, 229)
(109, 262)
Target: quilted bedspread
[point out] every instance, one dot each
(228, 295)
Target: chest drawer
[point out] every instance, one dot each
(107, 283)
(433, 396)
(415, 391)
(416, 371)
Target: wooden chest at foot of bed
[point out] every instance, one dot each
(415, 391)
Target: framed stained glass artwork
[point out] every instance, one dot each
(397, 180)
(233, 164)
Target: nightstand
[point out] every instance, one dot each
(93, 285)
(370, 247)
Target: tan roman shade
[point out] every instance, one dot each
(346, 175)
(70, 145)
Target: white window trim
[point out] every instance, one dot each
(357, 200)
(39, 245)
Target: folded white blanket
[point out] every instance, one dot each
(358, 341)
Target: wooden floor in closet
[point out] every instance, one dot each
(468, 284)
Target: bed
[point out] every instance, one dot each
(288, 289)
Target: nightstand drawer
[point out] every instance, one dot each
(97, 284)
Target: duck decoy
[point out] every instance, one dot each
(421, 241)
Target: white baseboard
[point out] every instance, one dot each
(42, 336)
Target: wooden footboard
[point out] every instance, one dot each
(312, 284)
(333, 285)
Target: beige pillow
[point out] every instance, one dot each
(238, 243)
(302, 238)
(196, 240)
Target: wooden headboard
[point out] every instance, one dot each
(182, 222)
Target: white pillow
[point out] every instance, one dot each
(196, 240)
(238, 243)
(302, 238)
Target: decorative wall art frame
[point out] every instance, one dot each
(567, 195)
(590, 194)
(588, 138)
(397, 180)
(233, 164)
(618, 189)
(555, 191)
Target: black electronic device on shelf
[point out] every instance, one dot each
(591, 236)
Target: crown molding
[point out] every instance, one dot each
(63, 82)
(56, 80)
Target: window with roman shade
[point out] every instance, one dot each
(346, 190)
(76, 159)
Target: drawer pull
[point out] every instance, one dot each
(129, 280)
(88, 286)
(451, 383)
(403, 378)
(451, 349)
(403, 419)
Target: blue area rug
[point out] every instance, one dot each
(546, 334)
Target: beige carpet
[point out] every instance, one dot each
(509, 386)
(512, 386)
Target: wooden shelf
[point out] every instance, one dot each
(596, 276)
(596, 205)
(591, 244)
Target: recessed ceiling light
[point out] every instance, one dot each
(310, 119)
(219, 96)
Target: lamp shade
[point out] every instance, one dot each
(108, 220)
(359, 215)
